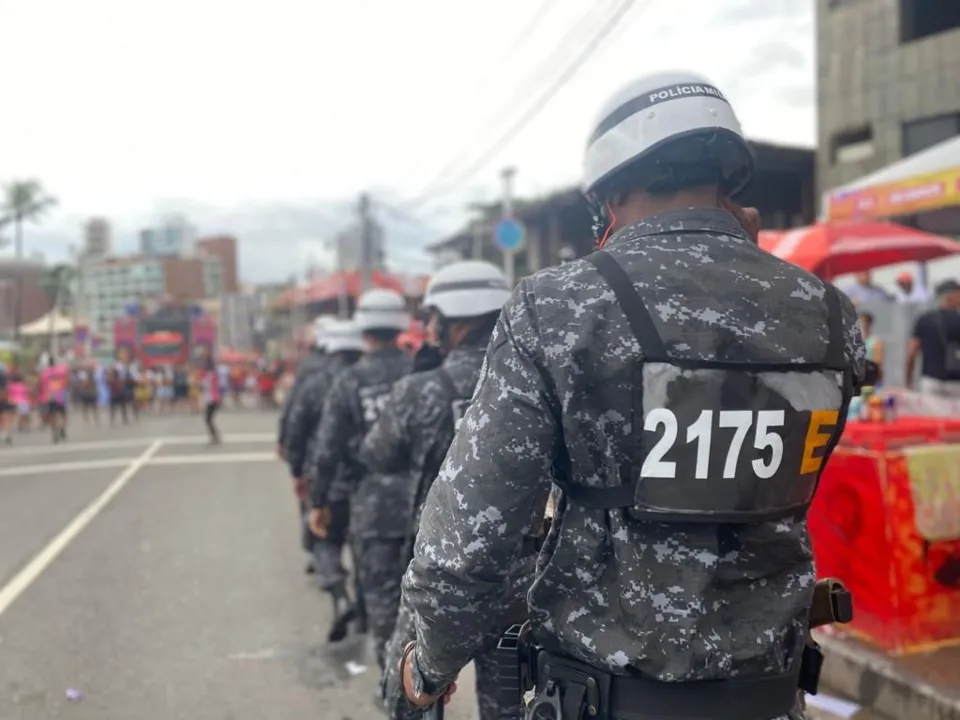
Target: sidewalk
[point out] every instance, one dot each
(924, 686)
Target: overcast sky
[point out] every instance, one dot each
(265, 118)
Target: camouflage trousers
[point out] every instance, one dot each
(380, 571)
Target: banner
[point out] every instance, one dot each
(906, 197)
(935, 486)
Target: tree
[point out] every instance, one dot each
(56, 284)
(22, 201)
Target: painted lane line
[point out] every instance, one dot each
(81, 447)
(29, 574)
(212, 459)
(78, 465)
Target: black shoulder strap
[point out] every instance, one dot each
(836, 358)
(632, 305)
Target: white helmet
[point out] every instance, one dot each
(651, 117)
(381, 309)
(342, 336)
(467, 289)
(320, 326)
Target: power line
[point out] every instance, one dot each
(536, 78)
(587, 51)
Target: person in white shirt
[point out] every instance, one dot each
(908, 290)
(863, 290)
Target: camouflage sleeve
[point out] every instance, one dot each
(289, 404)
(336, 432)
(386, 449)
(482, 503)
(303, 423)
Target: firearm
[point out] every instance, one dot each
(435, 711)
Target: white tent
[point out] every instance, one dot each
(926, 181)
(53, 322)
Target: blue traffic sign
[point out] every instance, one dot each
(509, 235)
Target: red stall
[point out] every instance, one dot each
(886, 522)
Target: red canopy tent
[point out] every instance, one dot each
(829, 249)
(330, 288)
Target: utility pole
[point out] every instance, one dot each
(367, 240)
(507, 174)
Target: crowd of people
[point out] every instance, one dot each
(39, 396)
(933, 346)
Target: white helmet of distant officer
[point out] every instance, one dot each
(658, 135)
(343, 336)
(381, 315)
(462, 303)
(320, 327)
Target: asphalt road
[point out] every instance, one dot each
(144, 575)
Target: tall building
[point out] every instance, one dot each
(97, 237)
(36, 301)
(174, 236)
(113, 284)
(223, 247)
(887, 85)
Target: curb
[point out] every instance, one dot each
(875, 682)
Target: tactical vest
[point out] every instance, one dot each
(373, 398)
(458, 403)
(720, 441)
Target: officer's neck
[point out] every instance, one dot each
(639, 206)
(381, 345)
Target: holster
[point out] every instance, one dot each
(832, 603)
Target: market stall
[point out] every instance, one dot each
(886, 522)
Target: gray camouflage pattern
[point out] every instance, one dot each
(377, 501)
(412, 434)
(416, 426)
(672, 602)
(311, 363)
(380, 571)
(304, 412)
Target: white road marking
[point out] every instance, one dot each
(81, 465)
(40, 469)
(212, 459)
(28, 575)
(80, 447)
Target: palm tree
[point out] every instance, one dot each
(56, 284)
(22, 201)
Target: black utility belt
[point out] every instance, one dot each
(570, 690)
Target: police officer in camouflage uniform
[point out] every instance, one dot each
(308, 365)
(344, 346)
(313, 363)
(684, 389)
(417, 425)
(379, 521)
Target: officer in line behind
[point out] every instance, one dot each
(463, 301)
(379, 516)
(312, 362)
(344, 346)
(684, 388)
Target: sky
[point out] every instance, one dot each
(267, 119)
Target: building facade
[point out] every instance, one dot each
(114, 284)
(223, 247)
(888, 83)
(97, 238)
(174, 236)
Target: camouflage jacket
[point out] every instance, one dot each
(351, 408)
(310, 364)
(416, 427)
(673, 602)
(303, 417)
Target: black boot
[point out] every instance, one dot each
(343, 614)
